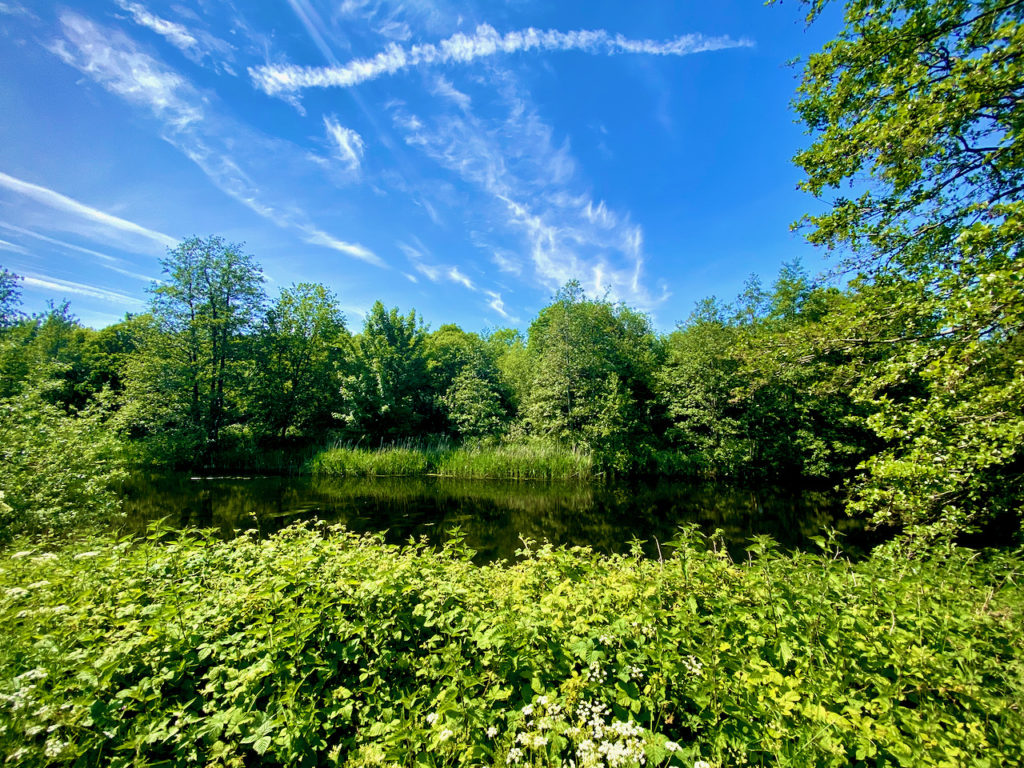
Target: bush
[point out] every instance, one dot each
(313, 648)
(57, 469)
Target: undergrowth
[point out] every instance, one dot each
(320, 647)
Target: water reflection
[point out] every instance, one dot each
(492, 515)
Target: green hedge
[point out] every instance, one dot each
(323, 648)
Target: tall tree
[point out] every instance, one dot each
(298, 354)
(187, 377)
(387, 391)
(587, 355)
(10, 297)
(918, 106)
(471, 398)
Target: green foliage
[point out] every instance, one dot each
(592, 366)
(185, 384)
(313, 649)
(10, 297)
(387, 391)
(473, 405)
(468, 385)
(58, 469)
(696, 386)
(745, 393)
(508, 349)
(917, 105)
(297, 355)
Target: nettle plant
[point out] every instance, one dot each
(320, 647)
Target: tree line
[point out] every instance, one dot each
(215, 367)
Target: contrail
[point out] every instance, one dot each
(486, 41)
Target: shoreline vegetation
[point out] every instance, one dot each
(316, 646)
(492, 462)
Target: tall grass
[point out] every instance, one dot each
(349, 461)
(522, 461)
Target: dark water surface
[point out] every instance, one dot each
(491, 514)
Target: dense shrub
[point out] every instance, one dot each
(324, 648)
(58, 469)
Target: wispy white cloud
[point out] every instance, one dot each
(13, 248)
(394, 30)
(315, 236)
(15, 9)
(444, 88)
(506, 261)
(460, 48)
(599, 214)
(348, 145)
(419, 256)
(498, 305)
(198, 45)
(218, 145)
(530, 179)
(112, 60)
(457, 276)
(57, 201)
(106, 260)
(81, 289)
(177, 34)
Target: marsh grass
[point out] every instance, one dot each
(492, 461)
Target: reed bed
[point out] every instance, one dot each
(525, 461)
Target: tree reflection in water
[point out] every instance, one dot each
(492, 515)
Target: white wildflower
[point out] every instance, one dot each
(445, 734)
(54, 747)
(39, 584)
(702, 764)
(595, 674)
(32, 674)
(671, 746)
(85, 555)
(693, 665)
(432, 718)
(492, 732)
(22, 553)
(16, 593)
(514, 756)
(46, 557)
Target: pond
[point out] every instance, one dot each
(493, 515)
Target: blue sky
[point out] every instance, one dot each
(462, 159)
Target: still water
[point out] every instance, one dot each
(492, 515)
